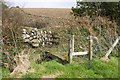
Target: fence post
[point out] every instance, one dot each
(72, 43)
(90, 47)
(112, 47)
(71, 48)
(69, 52)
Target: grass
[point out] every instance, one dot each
(107, 70)
(5, 72)
(95, 69)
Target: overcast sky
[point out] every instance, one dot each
(43, 3)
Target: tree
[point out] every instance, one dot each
(17, 7)
(109, 9)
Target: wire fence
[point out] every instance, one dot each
(97, 27)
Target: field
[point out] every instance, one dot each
(46, 17)
(49, 12)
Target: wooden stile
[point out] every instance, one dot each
(71, 52)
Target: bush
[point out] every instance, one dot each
(11, 33)
(12, 28)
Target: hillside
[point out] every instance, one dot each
(49, 12)
(45, 17)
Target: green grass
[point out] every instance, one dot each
(107, 70)
(5, 72)
(31, 75)
(94, 69)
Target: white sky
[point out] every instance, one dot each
(43, 3)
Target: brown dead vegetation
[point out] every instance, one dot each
(22, 62)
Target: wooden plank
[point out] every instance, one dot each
(58, 57)
(79, 53)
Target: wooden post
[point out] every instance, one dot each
(71, 48)
(72, 43)
(90, 47)
(110, 50)
(105, 58)
(69, 53)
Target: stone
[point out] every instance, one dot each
(35, 42)
(24, 30)
(26, 40)
(35, 37)
(27, 35)
(41, 32)
(32, 34)
(23, 36)
(31, 38)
